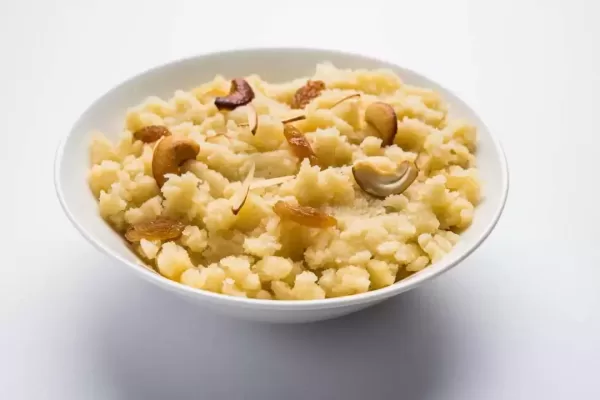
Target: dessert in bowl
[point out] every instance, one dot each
(283, 184)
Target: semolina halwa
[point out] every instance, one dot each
(325, 186)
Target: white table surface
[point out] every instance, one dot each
(520, 319)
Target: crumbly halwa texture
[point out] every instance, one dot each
(255, 253)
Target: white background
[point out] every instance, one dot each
(520, 319)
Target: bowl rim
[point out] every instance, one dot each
(373, 295)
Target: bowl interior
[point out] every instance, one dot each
(108, 112)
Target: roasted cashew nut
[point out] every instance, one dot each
(381, 184)
(169, 154)
(239, 95)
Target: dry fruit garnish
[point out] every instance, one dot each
(381, 184)
(293, 119)
(210, 139)
(283, 121)
(271, 182)
(299, 144)
(307, 216)
(161, 228)
(306, 93)
(169, 154)
(252, 119)
(239, 95)
(151, 133)
(382, 117)
(239, 198)
(337, 103)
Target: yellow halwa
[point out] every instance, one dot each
(255, 253)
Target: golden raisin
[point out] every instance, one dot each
(303, 215)
(162, 228)
(151, 133)
(299, 144)
(306, 93)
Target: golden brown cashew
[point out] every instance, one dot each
(169, 154)
(382, 117)
(381, 184)
(239, 95)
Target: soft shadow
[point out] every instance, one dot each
(153, 345)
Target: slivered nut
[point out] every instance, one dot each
(252, 119)
(271, 182)
(352, 96)
(239, 198)
(293, 119)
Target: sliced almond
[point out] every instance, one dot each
(239, 198)
(271, 182)
(293, 119)
(218, 135)
(283, 121)
(252, 119)
(337, 103)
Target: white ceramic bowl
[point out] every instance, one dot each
(107, 114)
